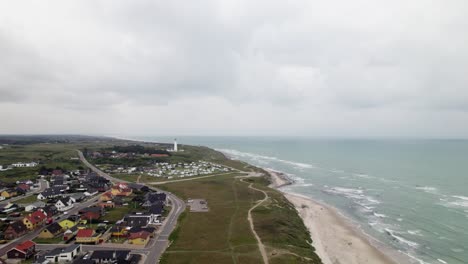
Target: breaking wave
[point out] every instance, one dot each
(264, 159)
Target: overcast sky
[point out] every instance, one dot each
(312, 68)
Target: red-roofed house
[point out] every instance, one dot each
(57, 172)
(87, 236)
(35, 219)
(23, 187)
(121, 189)
(24, 250)
(139, 238)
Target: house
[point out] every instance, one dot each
(154, 198)
(64, 204)
(67, 223)
(139, 238)
(24, 250)
(51, 192)
(138, 219)
(138, 187)
(77, 197)
(155, 211)
(51, 231)
(70, 233)
(91, 192)
(9, 207)
(91, 213)
(121, 189)
(118, 231)
(87, 236)
(23, 188)
(35, 219)
(24, 164)
(108, 204)
(15, 230)
(50, 210)
(61, 255)
(9, 193)
(57, 172)
(109, 256)
(34, 206)
(107, 196)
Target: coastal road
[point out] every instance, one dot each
(159, 244)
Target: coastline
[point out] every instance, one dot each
(334, 238)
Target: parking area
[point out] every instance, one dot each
(198, 205)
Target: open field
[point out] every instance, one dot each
(115, 214)
(223, 234)
(56, 240)
(27, 200)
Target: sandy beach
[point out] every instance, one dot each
(334, 239)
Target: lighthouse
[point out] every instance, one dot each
(175, 144)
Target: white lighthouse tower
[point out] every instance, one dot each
(175, 144)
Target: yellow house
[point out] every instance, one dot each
(121, 189)
(87, 236)
(118, 231)
(51, 231)
(35, 219)
(9, 193)
(140, 238)
(67, 224)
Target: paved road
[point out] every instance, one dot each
(159, 244)
(43, 185)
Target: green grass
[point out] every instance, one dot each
(28, 200)
(56, 240)
(223, 234)
(115, 214)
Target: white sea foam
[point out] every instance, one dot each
(380, 215)
(264, 159)
(306, 185)
(455, 201)
(413, 257)
(361, 175)
(428, 189)
(416, 232)
(400, 239)
(442, 261)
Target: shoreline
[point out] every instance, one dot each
(334, 238)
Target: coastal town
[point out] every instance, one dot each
(77, 217)
(104, 200)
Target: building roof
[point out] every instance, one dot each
(88, 232)
(25, 245)
(54, 228)
(156, 209)
(141, 234)
(137, 229)
(37, 217)
(110, 254)
(57, 251)
(18, 227)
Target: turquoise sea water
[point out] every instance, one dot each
(411, 195)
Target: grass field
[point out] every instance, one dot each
(223, 234)
(27, 200)
(115, 214)
(56, 240)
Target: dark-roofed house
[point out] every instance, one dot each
(15, 230)
(109, 256)
(138, 187)
(51, 192)
(61, 255)
(70, 233)
(50, 210)
(137, 219)
(154, 198)
(91, 213)
(24, 250)
(84, 261)
(51, 231)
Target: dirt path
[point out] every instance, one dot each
(261, 247)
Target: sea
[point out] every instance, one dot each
(410, 195)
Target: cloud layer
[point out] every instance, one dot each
(341, 68)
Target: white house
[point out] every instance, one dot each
(62, 255)
(24, 164)
(64, 204)
(33, 206)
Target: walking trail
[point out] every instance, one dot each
(261, 247)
